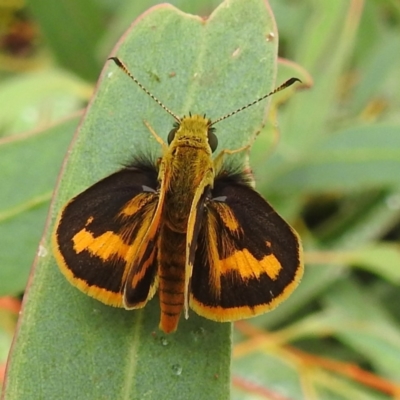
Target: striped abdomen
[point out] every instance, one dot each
(171, 261)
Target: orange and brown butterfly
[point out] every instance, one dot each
(187, 226)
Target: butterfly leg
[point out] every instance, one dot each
(158, 138)
(219, 160)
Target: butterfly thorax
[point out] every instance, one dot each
(186, 164)
(186, 170)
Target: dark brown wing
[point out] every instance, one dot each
(248, 259)
(101, 231)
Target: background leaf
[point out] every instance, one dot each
(326, 160)
(25, 198)
(71, 29)
(133, 360)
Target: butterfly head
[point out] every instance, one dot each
(193, 129)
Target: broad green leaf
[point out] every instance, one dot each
(29, 167)
(72, 29)
(81, 348)
(39, 98)
(126, 11)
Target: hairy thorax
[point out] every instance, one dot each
(187, 170)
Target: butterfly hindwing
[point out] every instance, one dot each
(101, 230)
(248, 259)
(142, 280)
(194, 224)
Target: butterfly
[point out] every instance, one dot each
(188, 226)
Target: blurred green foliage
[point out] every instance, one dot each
(334, 174)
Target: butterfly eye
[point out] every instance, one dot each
(171, 135)
(212, 139)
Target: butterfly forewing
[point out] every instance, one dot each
(248, 259)
(100, 231)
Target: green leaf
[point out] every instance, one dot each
(123, 15)
(369, 329)
(357, 158)
(323, 48)
(268, 371)
(72, 29)
(26, 188)
(35, 98)
(80, 347)
(381, 258)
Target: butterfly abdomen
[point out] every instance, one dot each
(171, 260)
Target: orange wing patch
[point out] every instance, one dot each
(105, 246)
(249, 266)
(244, 268)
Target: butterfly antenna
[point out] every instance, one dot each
(284, 85)
(124, 68)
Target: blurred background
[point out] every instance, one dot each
(334, 174)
